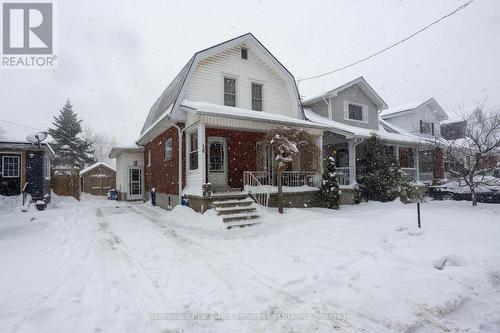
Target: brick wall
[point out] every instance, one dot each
(162, 174)
(438, 163)
(241, 152)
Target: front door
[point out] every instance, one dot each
(217, 162)
(135, 184)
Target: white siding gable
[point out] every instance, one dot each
(207, 81)
(410, 121)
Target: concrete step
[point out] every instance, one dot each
(241, 224)
(239, 217)
(233, 202)
(236, 209)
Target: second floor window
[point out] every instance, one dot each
(355, 112)
(229, 92)
(426, 128)
(193, 152)
(256, 97)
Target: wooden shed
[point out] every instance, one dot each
(98, 179)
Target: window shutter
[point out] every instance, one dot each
(432, 128)
(421, 126)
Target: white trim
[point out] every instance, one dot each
(364, 112)
(18, 165)
(252, 82)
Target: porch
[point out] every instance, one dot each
(346, 153)
(238, 159)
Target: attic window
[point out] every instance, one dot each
(244, 53)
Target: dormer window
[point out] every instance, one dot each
(244, 53)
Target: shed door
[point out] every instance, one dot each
(217, 162)
(135, 184)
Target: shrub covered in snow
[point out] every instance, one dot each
(329, 190)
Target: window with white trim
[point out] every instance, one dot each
(168, 149)
(229, 91)
(10, 166)
(46, 167)
(426, 127)
(355, 112)
(256, 97)
(193, 151)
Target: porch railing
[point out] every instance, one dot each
(344, 175)
(289, 178)
(410, 172)
(261, 196)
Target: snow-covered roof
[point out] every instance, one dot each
(95, 165)
(362, 83)
(169, 100)
(28, 145)
(117, 150)
(398, 110)
(353, 131)
(239, 113)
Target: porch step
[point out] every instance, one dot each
(240, 217)
(234, 202)
(237, 212)
(236, 209)
(241, 224)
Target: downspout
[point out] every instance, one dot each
(180, 133)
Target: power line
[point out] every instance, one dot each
(390, 46)
(21, 125)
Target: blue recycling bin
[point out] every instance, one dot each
(113, 195)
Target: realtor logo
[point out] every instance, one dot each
(27, 29)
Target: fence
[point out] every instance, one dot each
(66, 182)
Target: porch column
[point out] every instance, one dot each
(202, 165)
(417, 164)
(437, 164)
(352, 162)
(396, 153)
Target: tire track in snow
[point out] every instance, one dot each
(249, 274)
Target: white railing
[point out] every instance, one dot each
(267, 182)
(300, 178)
(410, 172)
(251, 180)
(344, 175)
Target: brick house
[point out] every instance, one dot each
(204, 137)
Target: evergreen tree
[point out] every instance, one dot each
(379, 175)
(71, 150)
(329, 190)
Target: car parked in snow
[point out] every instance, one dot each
(487, 191)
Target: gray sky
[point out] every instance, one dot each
(116, 57)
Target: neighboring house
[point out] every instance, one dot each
(25, 167)
(98, 179)
(423, 119)
(129, 172)
(204, 137)
(351, 113)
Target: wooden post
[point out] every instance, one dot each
(418, 214)
(280, 190)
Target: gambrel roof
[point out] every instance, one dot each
(171, 98)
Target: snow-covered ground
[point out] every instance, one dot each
(100, 266)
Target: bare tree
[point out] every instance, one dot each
(286, 142)
(101, 143)
(474, 152)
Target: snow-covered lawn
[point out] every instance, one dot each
(99, 266)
